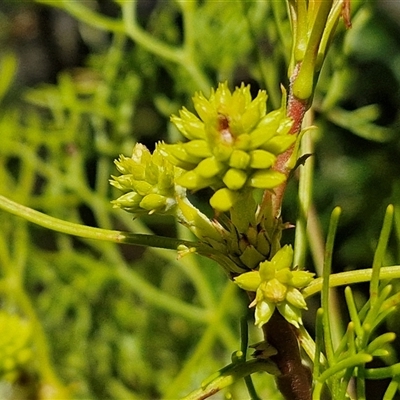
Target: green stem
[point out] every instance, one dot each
(187, 8)
(88, 232)
(330, 26)
(351, 277)
(244, 342)
(304, 197)
(319, 338)
(315, 240)
(350, 362)
(303, 86)
(325, 285)
(383, 372)
(380, 254)
(298, 11)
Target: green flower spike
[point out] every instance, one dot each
(231, 146)
(148, 181)
(15, 350)
(277, 286)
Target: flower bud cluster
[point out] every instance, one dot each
(277, 287)
(15, 350)
(232, 144)
(148, 181)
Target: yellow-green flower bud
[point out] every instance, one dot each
(222, 152)
(197, 148)
(243, 142)
(279, 144)
(273, 290)
(264, 311)
(239, 159)
(294, 297)
(249, 281)
(209, 168)
(283, 258)
(261, 159)
(203, 107)
(179, 152)
(188, 124)
(129, 201)
(284, 126)
(197, 222)
(266, 179)
(234, 179)
(291, 313)
(153, 202)
(193, 181)
(267, 270)
(255, 110)
(123, 181)
(301, 278)
(142, 187)
(266, 129)
(223, 199)
(284, 275)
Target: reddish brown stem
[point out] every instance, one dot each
(296, 109)
(295, 381)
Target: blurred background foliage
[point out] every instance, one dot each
(121, 322)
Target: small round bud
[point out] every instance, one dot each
(223, 199)
(261, 159)
(279, 144)
(153, 201)
(239, 159)
(266, 179)
(209, 167)
(234, 179)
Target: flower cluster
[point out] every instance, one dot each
(148, 181)
(233, 144)
(15, 351)
(277, 287)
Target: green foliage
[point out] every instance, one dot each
(100, 319)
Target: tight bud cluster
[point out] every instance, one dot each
(148, 181)
(232, 144)
(277, 286)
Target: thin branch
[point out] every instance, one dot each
(88, 232)
(351, 277)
